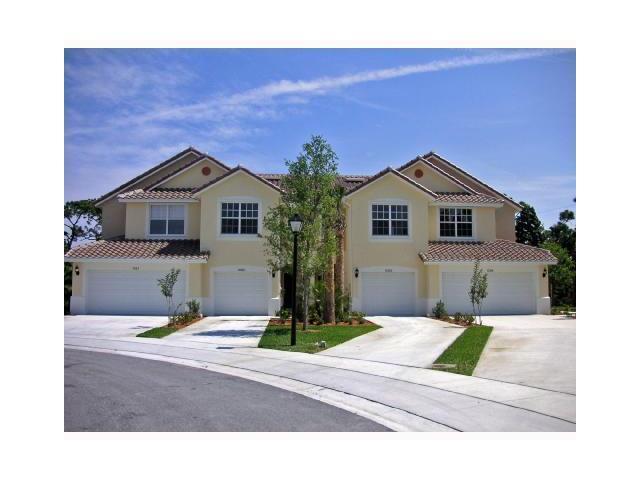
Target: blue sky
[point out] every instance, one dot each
(507, 116)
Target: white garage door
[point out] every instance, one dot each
(507, 293)
(388, 293)
(129, 292)
(240, 293)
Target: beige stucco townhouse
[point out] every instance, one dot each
(413, 234)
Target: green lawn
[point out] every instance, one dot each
(465, 351)
(278, 337)
(158, 332)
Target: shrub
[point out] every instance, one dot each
(193, 306)
(284, 313)
(458, 317)
(439, 311)
(316, 308)
(469, 319)
(343, 305)
(183, 318)
(358, 316)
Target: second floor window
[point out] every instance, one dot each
(456, 222)
(239, 218)
(389, 220)
(166, 220)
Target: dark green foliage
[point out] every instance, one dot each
(310, 190)
(465, 352)
(439, 311)
(565, 236)
(567, 216)
(193, 306)
(68, 272)
(82, 221)
(343, 305)
(529, 229)
(562, 277)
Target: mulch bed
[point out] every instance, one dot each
(180, 326)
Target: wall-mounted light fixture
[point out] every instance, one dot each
(357, 272)
(77, 270)
(544, 272)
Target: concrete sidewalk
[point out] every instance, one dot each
(399, 397)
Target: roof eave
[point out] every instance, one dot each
(502, 262)
(133, 260)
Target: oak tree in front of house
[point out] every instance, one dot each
(309, 189)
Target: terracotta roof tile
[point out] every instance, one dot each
(140, 249)
(395, 172)
(494, 251)
(470, 198)
(347, 181)
(158, 194)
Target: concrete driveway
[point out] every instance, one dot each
(406, 341)
(223, 331)
(533, 350)
(109, 326)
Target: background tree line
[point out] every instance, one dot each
(560, 240)
(82, 222)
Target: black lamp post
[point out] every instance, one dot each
(296, 225)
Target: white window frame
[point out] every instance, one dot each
(167, 235)
(389, 237)
(238, 236)
(457, 238)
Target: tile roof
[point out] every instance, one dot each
(347, 181)
(494, 251)
(468, 198)
(395, 172)
(433, 166)
(140, 249)
(147, 173)
(158, 194)
(433, 154)
(231, 172)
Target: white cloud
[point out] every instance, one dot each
(243, 104)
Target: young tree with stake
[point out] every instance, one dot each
(167, 284)
(478, 289)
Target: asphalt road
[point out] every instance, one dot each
(107, 393)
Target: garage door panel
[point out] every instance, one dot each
(388, 293)
(507, 293)
(129, 292)
(240, 293)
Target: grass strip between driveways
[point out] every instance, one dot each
(278, 337)
(465, 351)
(158, 332)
